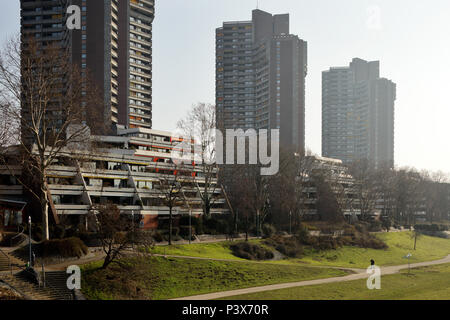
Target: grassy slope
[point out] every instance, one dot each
(430, 283)
(220, 250)
(160, 278)
(400, 244)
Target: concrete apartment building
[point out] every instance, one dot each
(126, 169)
(113, 47)
(260, 77)
(358, 109)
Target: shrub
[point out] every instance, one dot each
(157, 236)
(184, 232)
(386, 223)
(288, 246)
(303, 234)
(361, 227)
(57, 232)
(249, 251)
(438, 234)
(268, 230)
(431, 227)
(66, 248)
(327, 243)
(375, 226)
(90, 239)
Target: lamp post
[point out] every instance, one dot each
(132, 230)
(29, 238)
(290, 222)
(190, 225)
(257, 223)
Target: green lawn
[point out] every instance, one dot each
(430, 283)
(220, 250)
(400, 244)
(160, 278)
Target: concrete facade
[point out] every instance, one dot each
(260, 77)
(358, 111)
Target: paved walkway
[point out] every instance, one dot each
(357, 276)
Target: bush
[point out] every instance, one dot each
(326, 243)
(249, 251)
(438, 234)
(303, 234)
(215, 226)
(157, 236)
(288, 246)
(66, 248)
(57, 232)
(386, 223)
(375, 226)
(184, 232)
(268, 230)
(431, 227)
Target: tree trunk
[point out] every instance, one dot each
(170, 225)
(415, 240)
(246, 228)
(106, 262)
(45, 228)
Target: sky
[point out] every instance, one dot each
(408, 37)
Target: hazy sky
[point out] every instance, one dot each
(410, 38)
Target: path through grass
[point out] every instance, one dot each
(429, 283)
(160, 278)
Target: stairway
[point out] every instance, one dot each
(4, 263)
(55, 289)
(55, 281)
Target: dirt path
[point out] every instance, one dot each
(357, 276)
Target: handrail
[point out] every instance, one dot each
(47, 284)
(17, 235)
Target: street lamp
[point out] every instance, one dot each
(290, 222)
(132, 229)
(29, 237)
(190, 225)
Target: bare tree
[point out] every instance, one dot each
(47, 101)
(366, 187)
(289, 188)
(435, 193)
(199, 127)
(249, 193)
(117, 232)
(172, 195)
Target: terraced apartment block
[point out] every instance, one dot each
(126, 170)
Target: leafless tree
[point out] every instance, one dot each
(366, 186)
(289, 188)
(170, 188)
(47, 102)
(436, 194)
(199, 127)
(118, 233)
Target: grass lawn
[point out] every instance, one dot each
(429, 283)
(219, 250)
(160, 278)
(400, 244)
